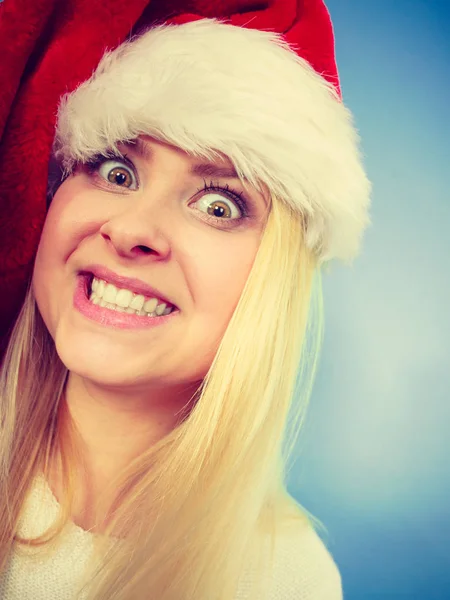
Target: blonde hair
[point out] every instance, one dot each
(194, 511)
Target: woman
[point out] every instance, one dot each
(208, 171)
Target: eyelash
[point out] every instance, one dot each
(94, 163)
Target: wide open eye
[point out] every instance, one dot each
(219, 207)
(118, 173)
(230, 208)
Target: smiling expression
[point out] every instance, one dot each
(155, 222)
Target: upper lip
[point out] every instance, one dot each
(130, 283)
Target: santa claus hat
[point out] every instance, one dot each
(244, 92)
(259, 86)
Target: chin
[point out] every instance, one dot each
(99, 362)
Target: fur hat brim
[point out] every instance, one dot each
(209, 87)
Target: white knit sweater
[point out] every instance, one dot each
(304, 569)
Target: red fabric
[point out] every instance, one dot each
(49, 47)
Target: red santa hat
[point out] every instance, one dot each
(257, 83)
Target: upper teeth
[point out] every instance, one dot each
(107, 294)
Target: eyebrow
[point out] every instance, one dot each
(143, 150)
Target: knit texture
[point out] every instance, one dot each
(303, 569)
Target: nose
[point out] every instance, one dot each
(133, 234)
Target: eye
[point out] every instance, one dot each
(222, 204)
(118, 173)
(218, 208)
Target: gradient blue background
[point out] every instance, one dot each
(374, 456)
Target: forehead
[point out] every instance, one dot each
(220, 166)
(216, 164)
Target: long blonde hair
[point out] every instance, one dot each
(197, 506)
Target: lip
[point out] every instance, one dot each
(130, 283)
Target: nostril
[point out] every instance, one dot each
(145, 249)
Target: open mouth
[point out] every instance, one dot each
(106, 295)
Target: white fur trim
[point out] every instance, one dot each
(209, 87)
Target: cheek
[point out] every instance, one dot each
(55, 245)
(217, 279)
(224, 274)
(45, 278)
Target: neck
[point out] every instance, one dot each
(114, 426)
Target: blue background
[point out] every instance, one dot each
(374, 455)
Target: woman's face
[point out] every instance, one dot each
(142, 222)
